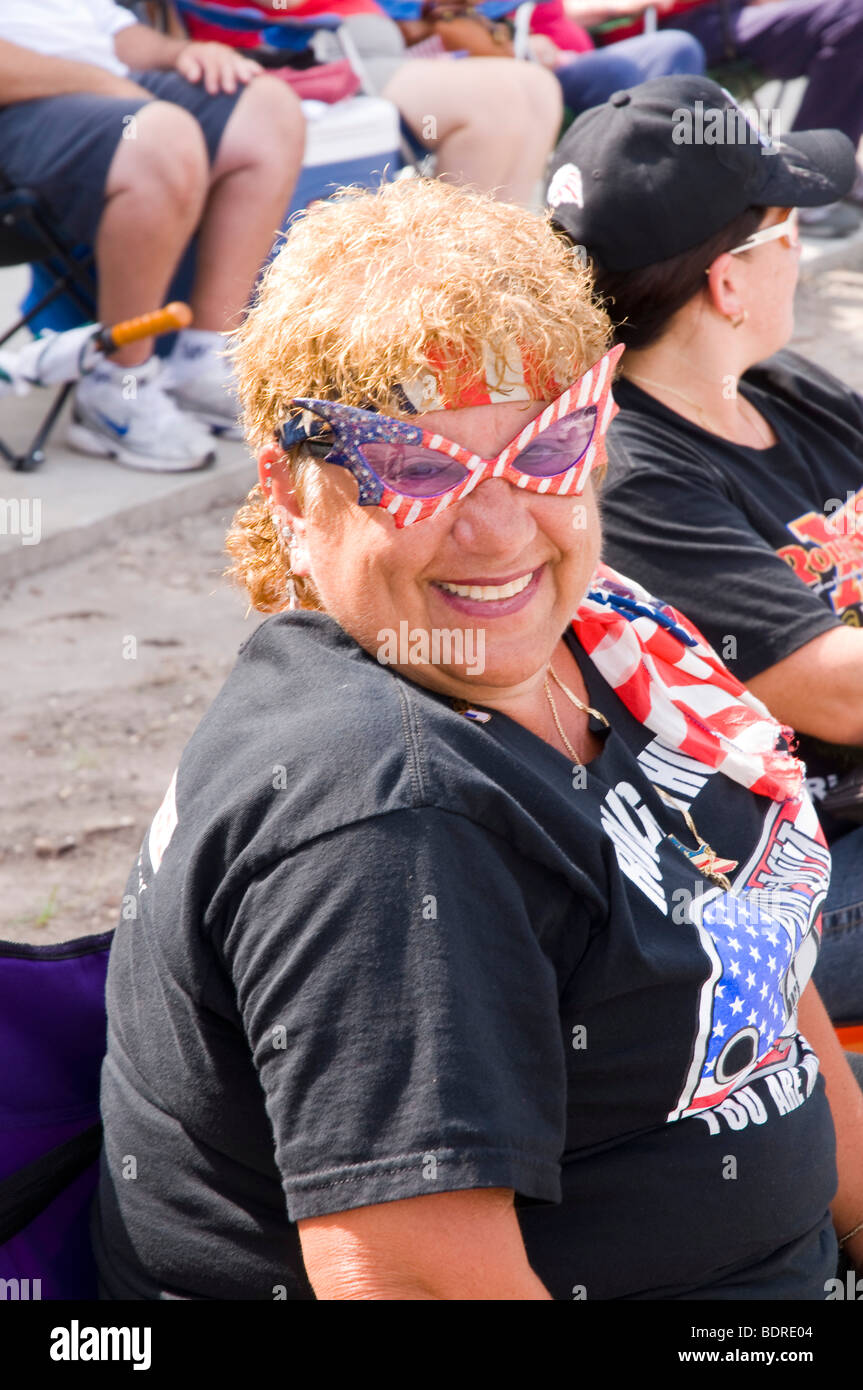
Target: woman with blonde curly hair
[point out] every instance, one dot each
(470, 818)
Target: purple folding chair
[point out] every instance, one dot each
(52, 1041)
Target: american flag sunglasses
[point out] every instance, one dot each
(414, 474)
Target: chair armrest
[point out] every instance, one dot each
(521, 29)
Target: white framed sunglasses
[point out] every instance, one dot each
(788, 229)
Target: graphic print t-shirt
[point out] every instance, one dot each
(375, 950)
(761, 549)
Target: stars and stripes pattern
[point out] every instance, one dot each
(353, 427)
(761, 939)
(674, 683)
(592, 389)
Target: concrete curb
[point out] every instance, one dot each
(224, 487)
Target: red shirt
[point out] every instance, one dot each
(550, 19)
(200, 30)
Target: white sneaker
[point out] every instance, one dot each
(202, 383)
(208, 398)
(145, 431)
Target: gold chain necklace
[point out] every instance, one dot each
(579, 704)
(673, 391)
(704, 857)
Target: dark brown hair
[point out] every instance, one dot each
(641, 302)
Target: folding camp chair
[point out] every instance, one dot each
(27, 235)
(52, 1031)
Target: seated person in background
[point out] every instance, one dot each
(592, 77)
(819, 39)
(490, 124)
(738, 490)
(136, 142)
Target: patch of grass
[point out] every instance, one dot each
(48, 911)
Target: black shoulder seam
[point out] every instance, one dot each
(413, 744)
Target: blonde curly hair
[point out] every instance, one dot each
(366, 290)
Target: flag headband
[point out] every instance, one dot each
(510, 374)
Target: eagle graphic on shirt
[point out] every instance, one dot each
(762, 940)
(761, 936)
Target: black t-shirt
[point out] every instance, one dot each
(761, 549)
(374, 950)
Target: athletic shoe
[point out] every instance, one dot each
(201, 382)
(210, 398)
(146, 431)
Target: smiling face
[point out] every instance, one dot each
(506, 567)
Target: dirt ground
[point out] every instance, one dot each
(93, 724)
(108, 664)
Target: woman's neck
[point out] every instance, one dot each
(700, 382)
(531, 707)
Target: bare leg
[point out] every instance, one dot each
(491, 121)
(154, 193)
(256, 168)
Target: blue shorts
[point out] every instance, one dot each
(63, 146)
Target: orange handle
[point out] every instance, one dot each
(167, 320)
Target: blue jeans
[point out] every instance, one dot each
(839, 970)
(591, 78)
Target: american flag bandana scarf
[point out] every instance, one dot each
(674, 683)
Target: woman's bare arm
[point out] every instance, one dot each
(846, 1105)
(452, 1246)
(818, 689)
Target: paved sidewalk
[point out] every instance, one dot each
(79, 501)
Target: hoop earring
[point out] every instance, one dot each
(741, 318)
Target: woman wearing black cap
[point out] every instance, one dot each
(736, 483)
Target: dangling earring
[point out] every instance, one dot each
(741, 318)
(289, 542)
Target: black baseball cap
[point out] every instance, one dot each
(661, 167)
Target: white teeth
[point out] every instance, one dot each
(489, 592)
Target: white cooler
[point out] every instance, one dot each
(352, 141)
